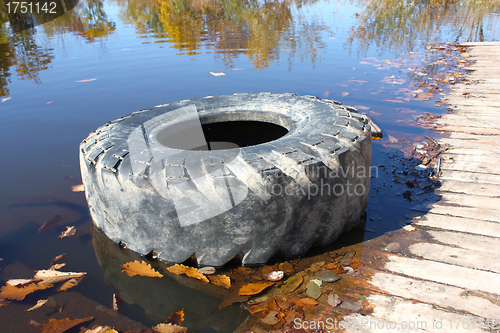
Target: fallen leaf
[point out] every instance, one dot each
(169, 328)
(176, 318)
(259, 307)
(189, 271)
(117, 301)
(140, 268)
(51, 223)
(50, 277)
(18, 294)
(465, 54)
(56, 267)
(254, 288)
(38, 304)
(333, 299)
(77, 188)
(292, 284)
(61, 325)
(58, 259)
(271, 318)
(232, 296)
(101, 329)
(221, 280)
(392, 139)
(18, 282)
(87, 80)
(207, 270)
(217, 73)
(3, 302)
(409, 228)
(345, 93)
(70, 231)
(306, 302)
(69, 284)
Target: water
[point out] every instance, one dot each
(102, 60)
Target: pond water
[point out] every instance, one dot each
(105, 59)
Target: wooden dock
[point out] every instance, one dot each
(446, 277)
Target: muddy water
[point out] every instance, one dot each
(102, 60)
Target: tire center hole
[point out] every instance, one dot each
(222, 135)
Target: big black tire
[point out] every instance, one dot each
(276, 197)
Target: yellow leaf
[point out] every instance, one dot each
(49, 277)
(38, 304)
(140, 268)
(61, 325)
(70, 231)
(189, 271)
(221, 280)
(176, 318)
(306, 302)
(18, 294)
(217, 73)
(465, 54)
(77, 188)
(292, 283)
(254, 288)
(70, 284)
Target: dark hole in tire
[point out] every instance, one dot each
(224, 135)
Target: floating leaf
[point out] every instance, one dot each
(176, 318)
(306, 302)
(49, 276)
(101, 329)
(292, 284)
(259, 307)
(271, 318)
(313, 290)
(77, 188)
(70, 231)
(345, 93)
(18, 294)
(254, 288)
(69, 284)
(87, 80)
(61, 325)
(51, 223)
(189, 271)
(169, 328)
(117, 301)
(58, 259)
(6, 99)
(217, 73)
(392, 139)
(38, 304)
(207, 270)
(18, 282)
(221, 281)
(465, 54)
(140, 268)
(333, 299)
(56, 267)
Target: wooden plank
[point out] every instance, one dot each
(462, 277)
(480, 44)
(450, 157)
(471, 151)
(406, 317)
(471, 167)
(467, 212)
(458, 143)
(470, 129)
(478, 243)
(473, 177)
(460, 120)
(457, 256)
(489, 190)
(461, 224)
(468, 200)
(435, 293)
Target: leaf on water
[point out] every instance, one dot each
(117, 302)
(77, 188)
(207, 270)
(3, 302)
(140, 268)
(38, 304)
(217, 73)
(306, 302)
(18, 294)
(169, 328)
(254, 288)
(101, 329)
(70, 284)
(221, 280)
(56, 267)
(292, 284)
(333, 299)
(87, 80)
(345, 93)
(271, 318)
(50, 277)
(232, 295)
(362, 107)
(259, 307)
(189, 271)
(70, 231)
(392, 139)
(61, 325)
(19, 282)
(51, 223)
(58, 259)
(465, 54)
(394, 100)
(176, 318)
(6, 99)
